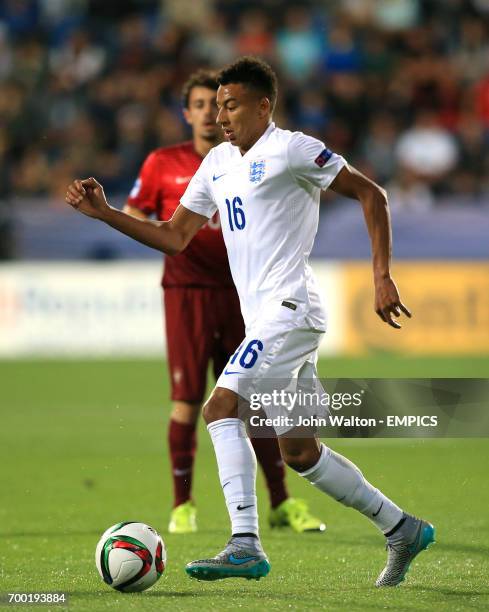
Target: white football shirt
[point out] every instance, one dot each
(268, 202)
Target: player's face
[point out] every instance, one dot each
(243, 114)
(202, 112)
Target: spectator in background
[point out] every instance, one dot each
(312, 112)
(408, 192)
(214, 44)
(299, 46)
(31, 176)
(132, 44)
(469, 181)
(78, 61)
(378, 145)
(30, 65)
(482, 101)
(131, 122)
(426, 153)
(396, 15)
(254, 36)
(350, 104)
(427, 149)
(343, 53)
(6, 216)
(471, 50)
(6, 54)
(20, 16)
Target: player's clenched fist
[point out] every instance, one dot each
(88, 197)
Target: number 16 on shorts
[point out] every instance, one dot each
(247, 356)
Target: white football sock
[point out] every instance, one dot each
(341, 479)
(236, 461)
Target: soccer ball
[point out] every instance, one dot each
(130, 556)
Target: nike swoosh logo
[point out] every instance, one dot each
(226, 484)
(180, 472)
(240, 507)
(380, 508)
(226, 372)
(241, 560)
(214, 177)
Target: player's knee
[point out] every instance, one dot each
(300, 459)
(185, 412)
(214, 410)
(222, 404)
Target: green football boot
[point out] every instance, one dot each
(183, 519)
(295, 513)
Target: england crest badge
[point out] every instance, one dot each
(257, 170)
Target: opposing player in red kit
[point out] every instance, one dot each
(203, 317)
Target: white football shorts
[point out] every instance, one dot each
(278, 358)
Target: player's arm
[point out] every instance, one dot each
(171, 237)
(134, 212)
(353, 184)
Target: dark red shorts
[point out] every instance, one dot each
(202, 325)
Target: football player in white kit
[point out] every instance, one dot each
(266, 183)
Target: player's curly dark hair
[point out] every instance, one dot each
(254, 73)
(200, 78)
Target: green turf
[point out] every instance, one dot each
(82, 446)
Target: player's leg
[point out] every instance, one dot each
(267, 451)
(269, 351)
(243, 556)
(182, 444)
(339, 478)
(188, 343)
(335, 475)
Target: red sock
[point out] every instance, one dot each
(268, 454)
(182, 444)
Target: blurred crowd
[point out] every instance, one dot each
(400, 87)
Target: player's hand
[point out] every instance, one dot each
(388, 303)
(88, 197)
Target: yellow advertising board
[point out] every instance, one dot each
(449, 302)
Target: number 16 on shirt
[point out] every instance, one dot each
(236, 215)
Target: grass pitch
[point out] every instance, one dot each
(83, 446)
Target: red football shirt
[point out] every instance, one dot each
(162, 181)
